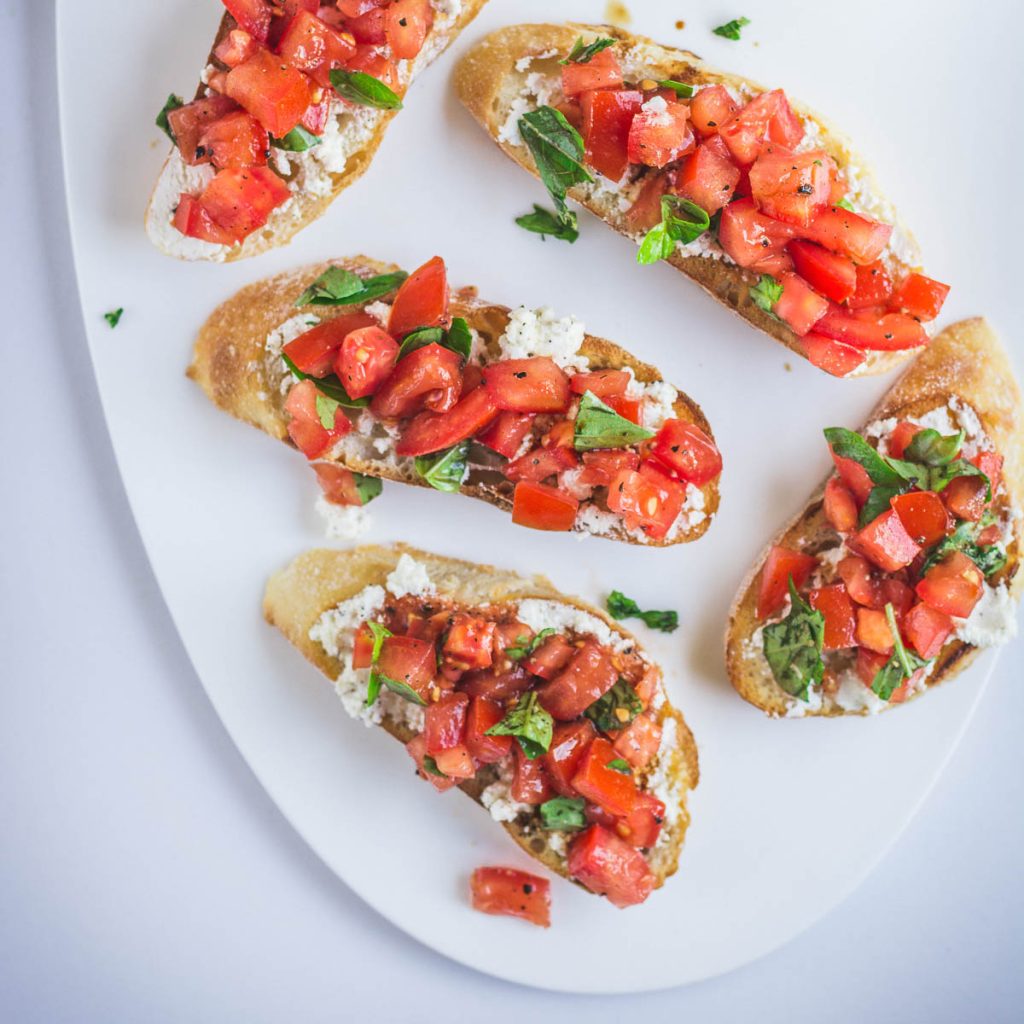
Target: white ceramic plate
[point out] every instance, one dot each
(789, 815)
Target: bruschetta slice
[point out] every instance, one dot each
(538, 706)
(372, 372)
(907, 562)
(749, 194)
(293, 103)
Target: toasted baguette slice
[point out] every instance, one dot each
(965, 363)
(315, 184)
(319, 580)
(516, 69)
(232, 364)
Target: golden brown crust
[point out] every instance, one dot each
(319, 580)
(965, 361)
(487, 82)
(229, 364)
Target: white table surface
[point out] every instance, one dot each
(144, 874)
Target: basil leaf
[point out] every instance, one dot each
(900, 667)
(380, 634)
(931, 448)
(989, 559)
(844, 204)
(372, 689)
(598, 426)
(329, 386)
(527, 647)
(369, 487)
(616, 709)
(620, 765)
(430, 767)
(793, 646)
(339, 287)
(660, 242)
(941, 476)
(879, 501)
(584, 54)
(114, 316)
(444, 470)
(396, 686)
(656, 245)
(883, 471)
(298, 140)
(563, 814)
(531, 725)
(681, 89)
(621, 607)
(420, 338)
(459, 338)
(766, 293)
(543, 222)
(731, 29)
(173, 103)
(326, 409)
(367, 91)
(557, 150)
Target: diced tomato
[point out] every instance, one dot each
(832, 275)
(559, 435)
(639, 741)
(274, 92)
(615, 791)
(888, 332)
(603, 383)
(710, 108)
(753, 240)
(190, 121)
(235, 48)
(954, 586)
(607, 115)
(314, 120)
(543, 508)
(628, 408)
(444, 722)
(550, 658)
(429, 376)
(314, 352)
(869, 664)
(421, 301)
(839, 506)
(372, 62)
(834, 603)
(484, 714)
(537, 384)
(456, 762)
(861, 238)
(337, 483)
(240, 200)
(602, 71)
(369, 27)
(873, 630)
(861, 581)
(874, 286)
(568, 744)
(469, 641)
(406, 24)
(923, 515)
(312, 46)
(920, 296)
(609, 866)
(990, 535)
(417, 748)
(780, 564)
(602, 466)
(505, 891)
(304, 426)
(235, 140)
(408, 660)
(791, 187)
(541, 463)
(708, 178)
(766, 118)
(926, 629)
(687, 451)
(854, 475)
(886, 542)
(833, 357)
(902, 434)
(965, 497)
(898, 594)
(495, 683)
(362, 645)
(799, 306)
(647, 499)
(642, 826)
(192, 220)
(529, 781)
(254, 16)
(646, 209)
(366, 357)
(589, 676)
(506, 432)
(991, 464)
(434, 431)
(659, 136)
(356, 8)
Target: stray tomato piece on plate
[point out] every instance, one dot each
(506, 891)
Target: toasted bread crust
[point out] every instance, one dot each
(319, 580)
(965, 361)
(229, 364)
(306, 207)
(487, 82)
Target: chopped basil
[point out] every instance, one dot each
(598, 426)
(563, 814)
(173, 103)
(681, 89)
(585, 53)
(766, 293)
(114, 316)
(941, 476)
(367, 91)
(380, 634)
(420, 338)
(444, 470)
(793, 646)
(731, 29)
(369, 487)
(900, 666)
(616, 709)
(531, 725)
(931, 448)
(457, 337)
(989, 559)
(557, 150)
(544, 222)
(526, 646)
(298, 140)
(326, 409)
(620, 765)
(660, 242)
(329, 386)
(844, 204)
(396, 686)
(622, 607)
(430, 767)
(337, 286)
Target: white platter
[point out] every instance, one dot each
(790, 815)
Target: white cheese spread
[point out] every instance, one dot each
(410, 577)
(539, 614)
(993, 620)
(343, 522)
(538, 332)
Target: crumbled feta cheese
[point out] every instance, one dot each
(538, 332)
(798, 708)
(570, 481)
(343, 522)
(498, 800)
(592, 520)
(558, 842)
(176, 178)
(692, 512)
(657, 107)
(336, 627)
(380, 311)
(663, 782)
(538, 615)
(509, 131)
(853, 695)
(659, 399)
(993, 620)
(410, 577)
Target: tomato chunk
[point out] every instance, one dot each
(240, 200)
(311, 46)
(954, 586)
(543, 508)
(874, 286)
(888, 332)
(304, 426)
(840, 623)
(429, 376)
(991, 464)
(434, 431)
(839, 506)
(687, 452)
(422, 300)
(235, 140)
(602, 71)
(833, 357)
(410, 661)
(190, 121)
(607, 115)
(639, 741)
(966, 497)
(902, 434)
(753, 240)
(417, 749)
(589, 676)
(660, 133)
(541, 463)
(444, 722)
(568, 744)
(484, 714)
(886, 542)
(505, 891)
(469, 641)
(766, 118)
(456, 763)
(530, 783)
(861, 238)
(861, 581)
(792, 187)
(609, 866)
(873, 630)
(923, 516)
(920, 296)
(274, 92)
(780, 564)
(406, 24)
(506, 432)
(315, 352)
(603, 383)
(615, 791)
(708, 178)
(642, 826)
(854, 475)
(537, 384)
(366, 357)
(799, 306)
(926, 629)
(602, 466)
(647, 499)
(710, 108)
(253, 16)
(550, 658)
(832, 275)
